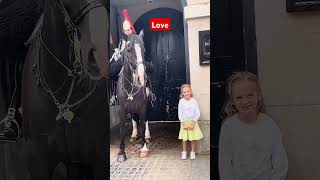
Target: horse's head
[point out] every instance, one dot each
(91, 19)
(134, 50)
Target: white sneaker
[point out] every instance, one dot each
(183, 155)
(192, 155)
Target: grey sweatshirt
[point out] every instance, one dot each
(251, 151)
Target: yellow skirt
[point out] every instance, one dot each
(190, 135)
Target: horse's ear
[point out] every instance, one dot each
(141, 33)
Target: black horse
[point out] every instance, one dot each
(115, 68)
(131, 95)
(65, 116)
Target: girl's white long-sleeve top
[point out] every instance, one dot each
(251, 151)
(188, 109)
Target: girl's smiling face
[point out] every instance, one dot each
(186, 92)
(245, 96)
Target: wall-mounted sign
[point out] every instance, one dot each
(160, 24)
(204, 47)
(302, 5)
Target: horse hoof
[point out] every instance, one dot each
(144, 154)
(122, 158)
(148, 140)
(133, 139)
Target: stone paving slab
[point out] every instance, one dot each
(152, 167)
(163, 163)
(200, 168)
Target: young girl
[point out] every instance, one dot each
(250, 145)
(188, 112)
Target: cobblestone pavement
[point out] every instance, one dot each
(164, 161)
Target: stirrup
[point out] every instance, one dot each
(9, 119)
(5, 139)
(8, 138)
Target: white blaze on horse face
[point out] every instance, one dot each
(111, 40)
(138, 52)
(99, 32)
(123, 44)
(117, 54)
(139, 61)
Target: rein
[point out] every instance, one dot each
(133, 84)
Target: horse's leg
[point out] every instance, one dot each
(39, 164)
(59, 172)
(92, 171)
(44, 163)
(89, 173)
(142, 116)
(122, 155)
(134, 128)
(100, 165)
(147, 135)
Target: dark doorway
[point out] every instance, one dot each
(234, 49)
(165, 50)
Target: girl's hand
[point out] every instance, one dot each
(193, 124)
(184, 125)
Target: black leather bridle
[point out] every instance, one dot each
(71, 20)
(77, 70)
(76, 17)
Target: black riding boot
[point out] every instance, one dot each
(9, 131)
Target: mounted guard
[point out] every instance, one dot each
(133, 90)
(143, 75)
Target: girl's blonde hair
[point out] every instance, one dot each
(183, 86)
(229, 108)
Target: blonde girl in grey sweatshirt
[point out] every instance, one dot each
(250, 144)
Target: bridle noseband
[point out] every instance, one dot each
(76, 18)
(71, 21)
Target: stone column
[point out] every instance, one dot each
(197, 18)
